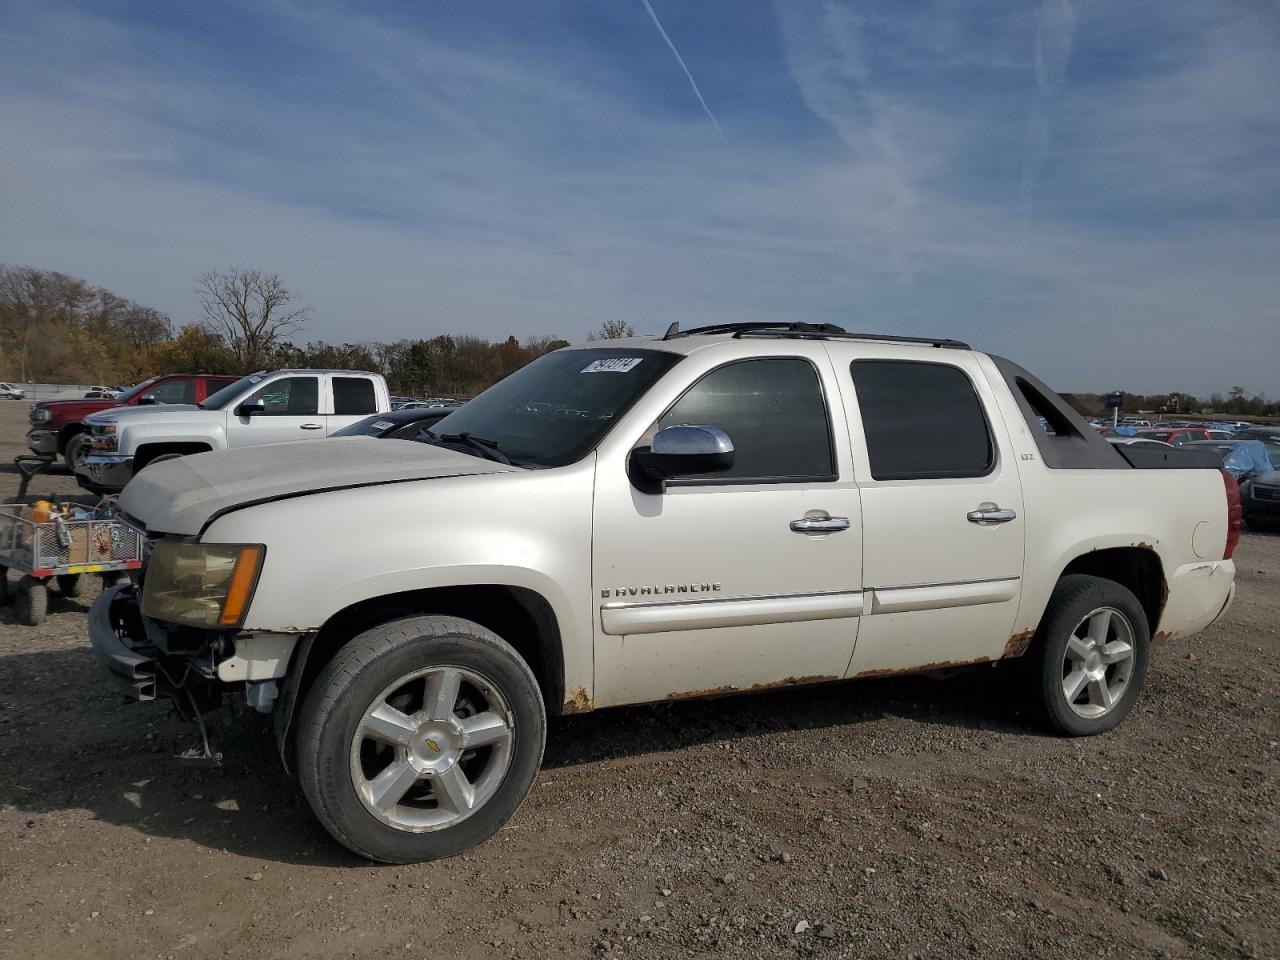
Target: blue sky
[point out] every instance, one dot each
(1092, 188)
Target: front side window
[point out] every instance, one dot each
(921, 420)
(290, 397)
(174, 391)
(774, 412)
(230, 393)
(353, 396)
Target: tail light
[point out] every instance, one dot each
(1235, 515)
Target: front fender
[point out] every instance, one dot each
(134, 436)
(328, 551)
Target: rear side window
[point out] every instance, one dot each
(353, 396)
(774, 412)
(921, 420)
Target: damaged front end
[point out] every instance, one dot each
(150, 660)
(194, 668)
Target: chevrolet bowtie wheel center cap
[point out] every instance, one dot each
(436, 748)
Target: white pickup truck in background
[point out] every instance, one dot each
(732, 508)
(266, 407)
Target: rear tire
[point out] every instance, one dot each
(456, 758)
(71, 584)
(1090, 656)
(30, 601)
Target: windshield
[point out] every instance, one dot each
(374, 426)
(135, 391)
(558, 408)
(216, 401)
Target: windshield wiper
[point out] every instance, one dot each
(489, 449)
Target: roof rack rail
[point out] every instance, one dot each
(805, 331)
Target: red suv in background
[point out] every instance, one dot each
(56, 425)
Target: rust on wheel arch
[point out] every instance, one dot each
(1018, 643)
(580, 702)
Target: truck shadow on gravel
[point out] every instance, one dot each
(68, 744)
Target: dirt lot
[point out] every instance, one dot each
(892, 818)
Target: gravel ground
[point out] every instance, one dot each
(891, 818)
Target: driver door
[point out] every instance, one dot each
(720, 582)
(292, 413)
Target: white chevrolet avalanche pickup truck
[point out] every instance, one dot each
(725, 509)
(266, 407)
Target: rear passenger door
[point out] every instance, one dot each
(942, 511)
(352, 398)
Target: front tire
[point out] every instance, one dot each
(71, 584)
(420, 738)
(30, 601)
(74, 452)
(1090, 657)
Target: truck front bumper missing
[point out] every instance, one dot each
(112, 618)
(105, 470)
(147, 659)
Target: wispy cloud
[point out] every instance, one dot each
(1055, 33)
(828, 60)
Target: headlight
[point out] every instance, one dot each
(102, 436)
(40, 414)
(201, 584)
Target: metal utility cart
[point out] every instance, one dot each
(63, 548)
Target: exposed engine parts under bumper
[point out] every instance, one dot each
(148, 659)
(133, 671)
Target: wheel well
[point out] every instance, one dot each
(67, 432)
(148, 452)
(519, 616)
(1137, 568)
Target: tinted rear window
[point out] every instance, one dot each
(353, 396)
(922, 420)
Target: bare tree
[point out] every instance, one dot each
(251, 310)
(613, 330)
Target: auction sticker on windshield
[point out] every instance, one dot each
(612, 365)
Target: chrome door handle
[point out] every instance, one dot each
(820, 524)
(312, 426)
(990, 513)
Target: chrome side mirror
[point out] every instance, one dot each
(251, 408)
(682, 451)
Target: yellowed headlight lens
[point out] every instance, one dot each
(201, 584)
